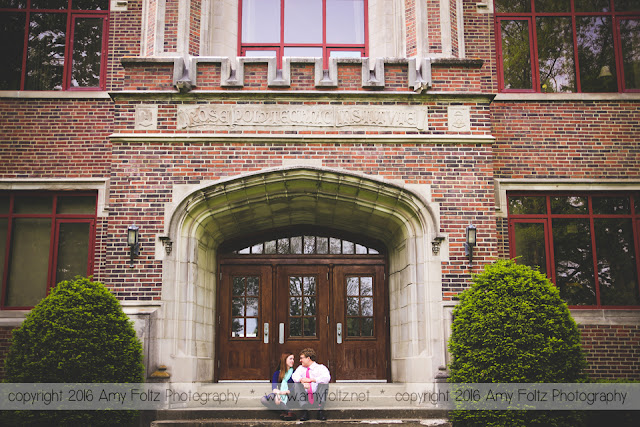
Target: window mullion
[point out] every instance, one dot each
(325, 51)
(535, 64)
(25, 50)
(7, 255)
(68, 60)
(576, 59)
(594, 254)
(280, 52)
(548, 227)
(53, 246)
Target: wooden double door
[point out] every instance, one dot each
(339, 309)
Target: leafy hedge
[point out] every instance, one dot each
(512, 326)
(77, 334)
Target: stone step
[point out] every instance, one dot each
(343, 418)
(271, 423)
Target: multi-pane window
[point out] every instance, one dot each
(302, 306)
(245, 306)
(587, 244)
(568, 45)
(53, 44)
(359, 291)
(45, 238)
(303, 28)
(307, 245)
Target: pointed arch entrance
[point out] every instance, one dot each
(296, 289)
(206, 220)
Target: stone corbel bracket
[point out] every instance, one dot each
(185, 72)
(372, 77)
(420, 74)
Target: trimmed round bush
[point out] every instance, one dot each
(511, 326)
(77, 334)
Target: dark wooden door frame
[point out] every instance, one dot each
(274, 263)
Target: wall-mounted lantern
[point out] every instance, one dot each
(132, 241)
(471, 242)
(435, 244)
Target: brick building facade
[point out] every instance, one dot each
(363, 166)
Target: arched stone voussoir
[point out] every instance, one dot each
(306, 196)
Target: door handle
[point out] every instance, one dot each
(339, 333)
(281, 331)
(266, 333)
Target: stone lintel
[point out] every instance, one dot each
(299, 138)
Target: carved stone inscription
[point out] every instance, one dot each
(223, 117)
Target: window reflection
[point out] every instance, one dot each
(512, 6)
(574, 261)
(245, 306)
(588, 242)
(307, 245)
(606, 39)
(302, 306)
(630, 40)
(303, 28)
(73, 250)
(303, 21)
(87, 52)
(552, 6)
(12, 36)
(516, 55)
(555, 54)
(596, 54)
(530, 247)
(617, 275)
(359, 307)
(45, 51)
(345, 21)
(260, 21)
(592, 5)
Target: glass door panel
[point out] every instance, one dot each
(303, 296)
(359, 312)
(245, 319)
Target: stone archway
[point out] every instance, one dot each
(203, 217)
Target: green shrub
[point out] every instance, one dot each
(77, 334)
(512, 326)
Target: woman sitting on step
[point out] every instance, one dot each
(281, 383)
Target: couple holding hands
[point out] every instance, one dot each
(304, 388)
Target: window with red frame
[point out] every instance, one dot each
(53, 44)
(45, 238)
(587, 244)
(568, 45)
(303, 28)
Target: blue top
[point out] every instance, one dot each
(274, 381)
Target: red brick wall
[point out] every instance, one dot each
(143, 175)
(171, 26)
(595, 139)
(434, 30)
(55, 138)
(125, 32)
(195, 15)
(612, 351)
(479, 44)
(410, 27)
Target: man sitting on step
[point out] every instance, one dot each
(314, 377)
